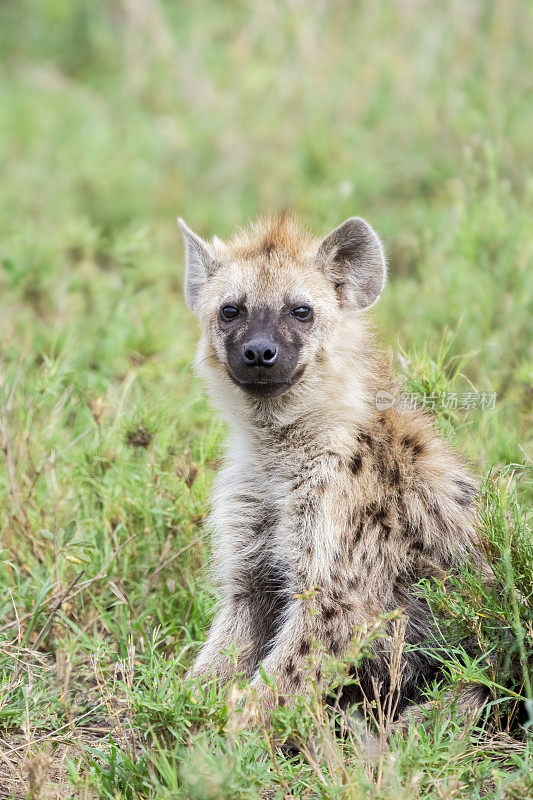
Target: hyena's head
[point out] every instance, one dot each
(270, 299)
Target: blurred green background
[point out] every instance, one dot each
(115, 117)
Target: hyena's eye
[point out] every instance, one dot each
(302, 312)
(229, 312)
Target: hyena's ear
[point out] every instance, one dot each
(353, 257)
(199, 265)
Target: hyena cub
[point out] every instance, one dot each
(321, 490)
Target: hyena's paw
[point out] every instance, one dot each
(243, 711)
(249, 708)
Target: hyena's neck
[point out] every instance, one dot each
(319, 410)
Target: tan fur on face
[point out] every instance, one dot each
(272, 260)
(277, 237)
(321, 492)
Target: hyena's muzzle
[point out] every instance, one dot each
(262, 349)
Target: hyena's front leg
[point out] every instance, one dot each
(324, 620)
(228, 648)
(249, 584)
(325, 606)
(248, 620)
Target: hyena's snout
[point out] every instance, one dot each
(261, 366)
(262, 349)
(260, 352)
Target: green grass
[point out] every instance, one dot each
(117, 117)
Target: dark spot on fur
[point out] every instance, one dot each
(371, 509)
(346, 605)
(356, 463)
(411, 444)
(466, 487)
(376, 512)
(353, 583)
(297, 679)
(297, 484)
(336, 647)
(300, 508)
(290, 668)
(467, 495)
(381, 513)
(258, 528)
(328, 613)
(305, 648)
(281, 701)
(386, 530)
(394, 473)
(366, 439)
(285, 432)
(243, 499)
(337, 557)
(350, 554)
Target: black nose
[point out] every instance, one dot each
(260, 353)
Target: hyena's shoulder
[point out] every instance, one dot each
(411, 488)
(404, 449)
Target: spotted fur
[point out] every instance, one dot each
(327, 510)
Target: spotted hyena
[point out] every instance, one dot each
(330, 505)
